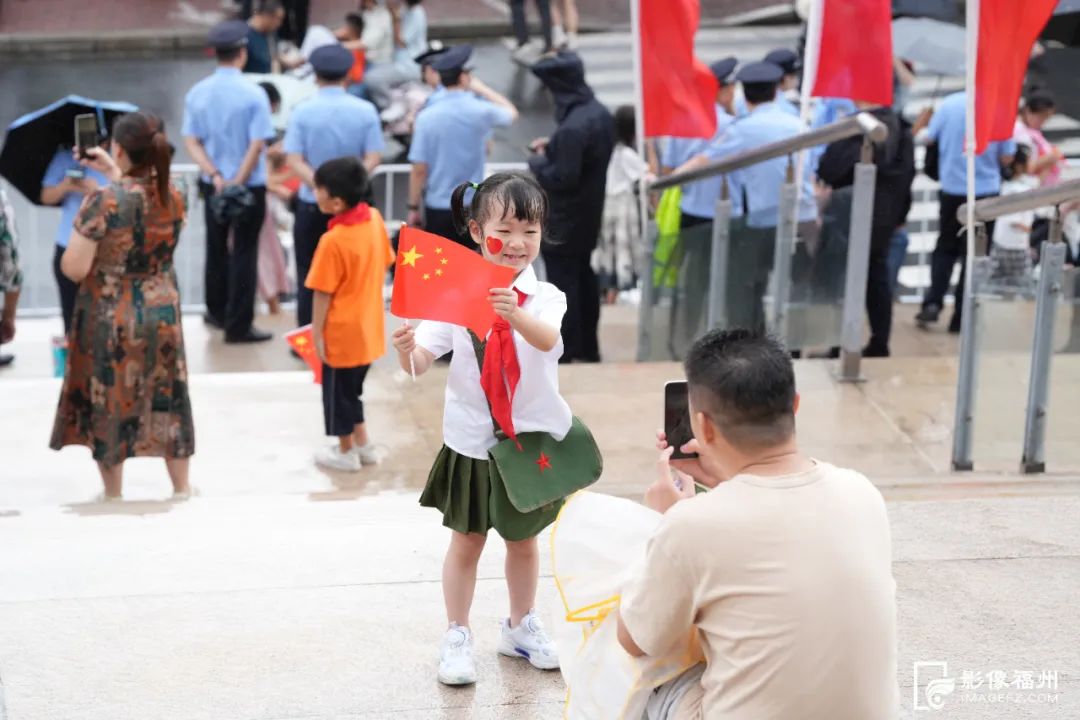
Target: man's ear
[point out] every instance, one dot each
(708, 429)
(795, 405)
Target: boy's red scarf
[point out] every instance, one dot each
(500, 373)
(353, 216)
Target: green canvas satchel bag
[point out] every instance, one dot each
(543, 470)
(546, 470)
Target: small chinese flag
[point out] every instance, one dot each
(303, 342)
(438, 279)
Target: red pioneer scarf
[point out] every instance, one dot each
(501, 372)
(353, 216)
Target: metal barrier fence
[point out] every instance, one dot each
(38, 226)
(805, 284)
(1000, 301)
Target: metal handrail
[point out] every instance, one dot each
(995, 207)
(859, 124)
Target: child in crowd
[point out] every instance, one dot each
(1011, 251)
(273, 273)
(617, 257)
(510, 380)
(350, 35)
(347, 319)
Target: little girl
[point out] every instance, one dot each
(505, 218)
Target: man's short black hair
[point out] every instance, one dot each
(228, 54)
(758, 93)
(745, 383)
(343, 178)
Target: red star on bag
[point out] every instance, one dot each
(544, 462)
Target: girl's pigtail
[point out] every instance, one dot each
(458, 212)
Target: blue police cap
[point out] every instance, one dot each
(434, 48)
(786, 59)
(331, 62)
(763, 73)
(723, 69)
(228, 35)
(452, 58)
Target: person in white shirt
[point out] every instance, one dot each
(618, 253)
(410, 40)
(509, 378)
(1011, 251)
(378, 38)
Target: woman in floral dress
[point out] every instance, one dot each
(125, 391)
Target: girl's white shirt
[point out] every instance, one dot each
(537, 404)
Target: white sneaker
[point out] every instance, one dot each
(558, 36)
(528, 640)
(367, 454)
(571, 41)
(456, 665)
(101, 497)
(528, 53)
(331, 457)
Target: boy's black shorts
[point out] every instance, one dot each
(342, 393)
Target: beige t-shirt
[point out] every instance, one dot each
(789, 582)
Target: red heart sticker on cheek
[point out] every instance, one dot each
(494, 245)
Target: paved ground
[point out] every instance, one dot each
(283, 592)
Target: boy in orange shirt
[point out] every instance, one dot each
(346, 277)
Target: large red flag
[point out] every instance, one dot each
(855, 59)
(1007, 30)
(438, 279)
(678, 90)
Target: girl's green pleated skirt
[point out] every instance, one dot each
(472, 498)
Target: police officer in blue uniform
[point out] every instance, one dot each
(698, 209)
(226, 126)
(698, 204)
(449, 144)
(330, 125)
(760, 186)
(788, 61)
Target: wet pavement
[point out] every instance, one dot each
(282, 592)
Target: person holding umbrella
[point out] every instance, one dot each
(37, 160)
(65, 184)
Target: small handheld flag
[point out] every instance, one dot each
(438, 279)
(302, 340)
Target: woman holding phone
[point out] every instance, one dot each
(125, 391)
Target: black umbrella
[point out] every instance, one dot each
(33, 139)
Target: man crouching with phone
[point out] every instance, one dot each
(784, 566)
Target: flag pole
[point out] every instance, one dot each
(972, 51)
(639, 129)
(810, 62)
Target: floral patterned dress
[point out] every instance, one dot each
(125, 391)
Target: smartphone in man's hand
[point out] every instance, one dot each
(86, 133)
(677, 418)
